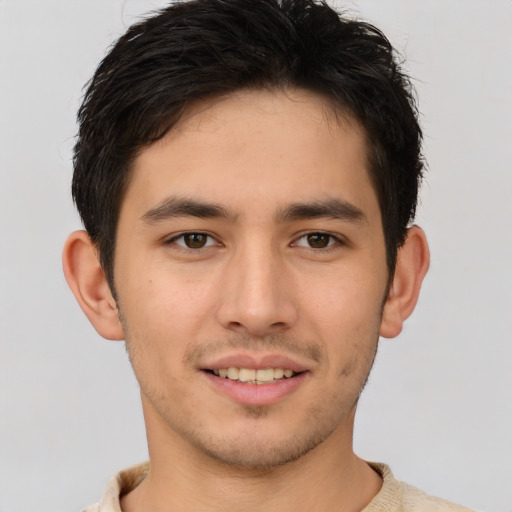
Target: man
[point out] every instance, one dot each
(247, 172)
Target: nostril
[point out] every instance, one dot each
(256, 317)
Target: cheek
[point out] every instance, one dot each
(160, 295)
(344, 300)
(163, 316)
(164, 313)
(156, 339)
(345, 314)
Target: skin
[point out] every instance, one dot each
(312, 287)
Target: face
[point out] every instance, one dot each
(250, 270)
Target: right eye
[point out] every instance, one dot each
(193, 240)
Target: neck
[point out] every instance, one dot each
(329, 477)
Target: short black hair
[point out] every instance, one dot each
(199, 48)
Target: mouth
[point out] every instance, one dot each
(256, 379)
(253, 376)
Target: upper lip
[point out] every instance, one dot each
(255, 361)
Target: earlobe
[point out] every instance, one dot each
(88, 282)
(412, 263)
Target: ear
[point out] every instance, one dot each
(89, 285)
(412, 263)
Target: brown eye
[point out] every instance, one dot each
(318, 240)
(195, 240)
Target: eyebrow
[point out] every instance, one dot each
(330, 208)
(185, 207)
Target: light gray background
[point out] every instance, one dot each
(438, 407)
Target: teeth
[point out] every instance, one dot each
(278, 373)
(245, 375)
(251, 376)
(233, 373)
(265, 375)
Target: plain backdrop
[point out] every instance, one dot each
(438, 406)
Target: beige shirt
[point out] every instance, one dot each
(394, 496)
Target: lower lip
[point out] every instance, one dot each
(256, 394)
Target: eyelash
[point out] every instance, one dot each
(174, 240)
(332, 243)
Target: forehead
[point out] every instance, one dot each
(264, 147)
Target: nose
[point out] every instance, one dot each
(257, 294)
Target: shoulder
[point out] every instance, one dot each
(396, 496)
(93, 508)
(120, 484)
(416, 500)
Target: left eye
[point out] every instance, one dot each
(193, 240)
(316, 240)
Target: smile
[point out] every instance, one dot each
(253, 376)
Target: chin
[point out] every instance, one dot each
(260, 448)
(254, 454)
